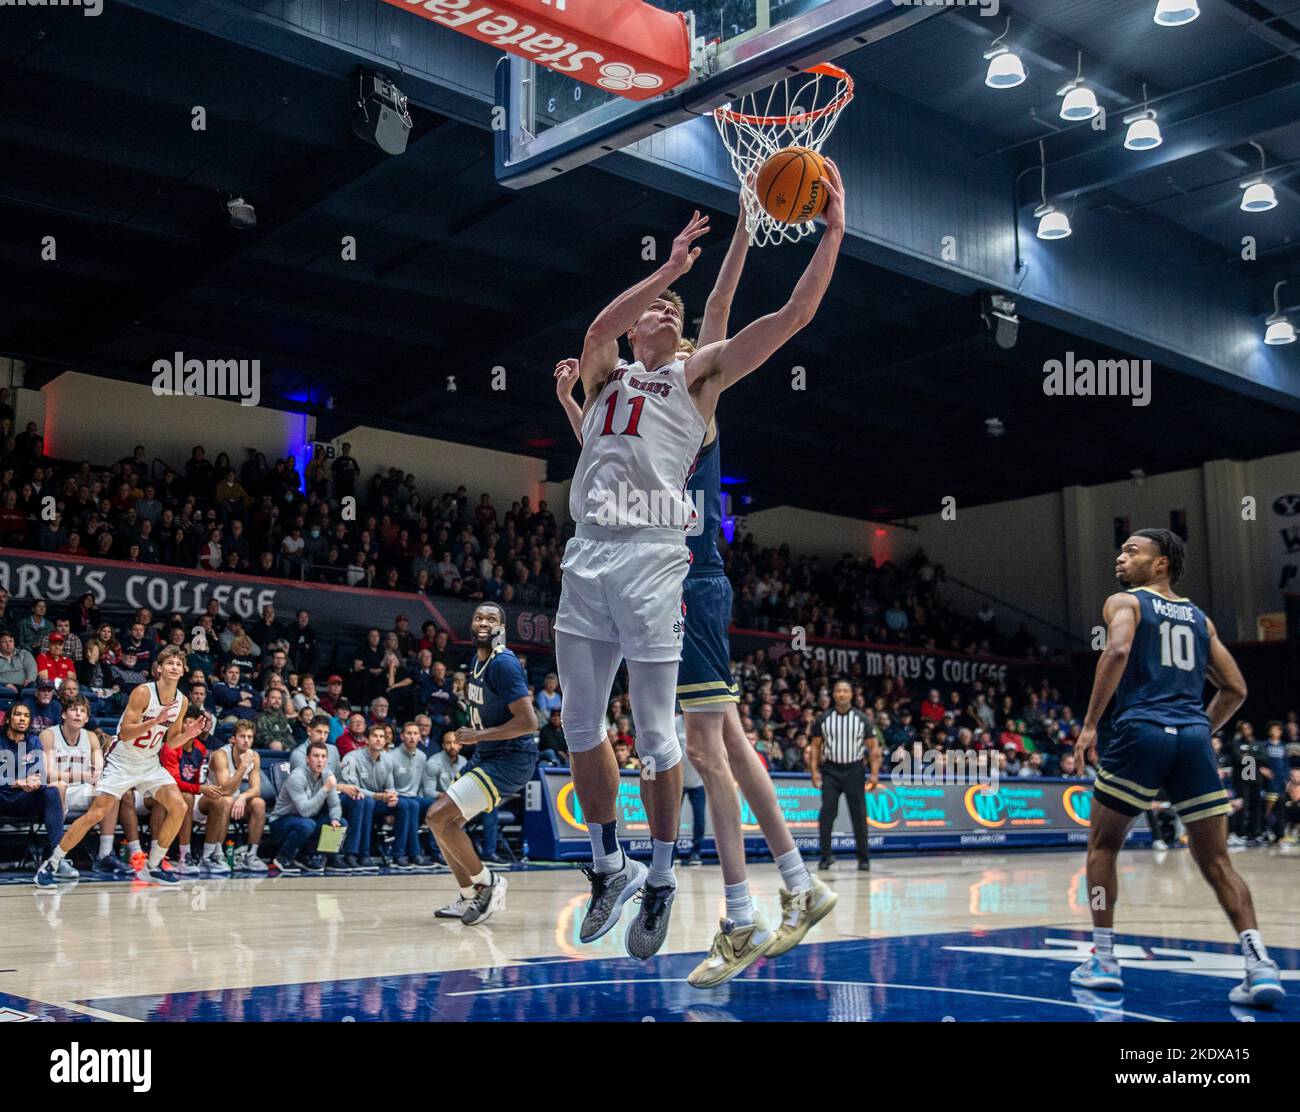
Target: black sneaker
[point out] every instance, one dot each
(487, 900)
(423, 862)
(344, 864)
(826, 863)
(287, 868)
(314, 864)
(495, 863)
(401, 864)
(366, 864)
(693, 860)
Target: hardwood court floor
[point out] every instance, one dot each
(963, 936)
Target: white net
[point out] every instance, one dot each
(799, 111)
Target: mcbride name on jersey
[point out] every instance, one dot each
(492, 685)
(1164, 680)
(639, 439)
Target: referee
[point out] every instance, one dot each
(843, 739)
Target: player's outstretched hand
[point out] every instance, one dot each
(684, 255)
(566, 374)
(834, 186)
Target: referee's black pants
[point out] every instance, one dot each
(849, 780)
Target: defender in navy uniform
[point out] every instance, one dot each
(503, 731)
(1160, 649)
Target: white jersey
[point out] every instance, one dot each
(72, 758)
(147, 747)
(639, 440)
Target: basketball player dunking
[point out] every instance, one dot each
(1159, 650)
(643, 425)
(154, 717)
(715, 738)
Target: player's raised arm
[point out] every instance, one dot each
(1222, 671)
(566, 374)
(717, 312)
(755, 344)
(600, 348)
(1121, 614)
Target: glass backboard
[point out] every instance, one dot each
(554, 123)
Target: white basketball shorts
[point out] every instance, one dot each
(626, 591)
(121, 777)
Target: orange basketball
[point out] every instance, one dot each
(790, 187)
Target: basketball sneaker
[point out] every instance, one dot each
(1262, 987)
(487, 900)
(800, 912)
(454, 910)
(112, 866)
(253, 863)
(734, 950)
(215, 866)
(286, 867)
(50, 874)
(165, 873)
(646, 933)
(609, 892)
(1097, 973)
(189, 866)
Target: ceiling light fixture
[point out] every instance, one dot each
(1006, 70)
(1143, 131)
(1280, 330)
(1175, 13)
(1258, 195)
(1080, 102)
(1052, 222)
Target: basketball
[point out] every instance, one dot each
(790, 187)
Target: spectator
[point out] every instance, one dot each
(17, 666)
(266, 629)
(355, 736)
(234, 699)
(370, 770)
(409, 762)
(549, 698)
(308, 800)
(302, 642)
(554, 748)
(443, 767)
(333, 693)
(274, 730)
(1033, 767)
(44, 708)
(33, 629)
(54, 665)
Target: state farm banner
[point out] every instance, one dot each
(120, 588)
(623, 46)
(912, 664)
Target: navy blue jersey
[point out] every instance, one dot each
(492, 685)
(704, 489)
(1164, 681)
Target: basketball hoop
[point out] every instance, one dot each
(798, 111)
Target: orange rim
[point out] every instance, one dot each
(826, 69)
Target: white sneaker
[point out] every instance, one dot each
(1236, 840)
(215, 866)
(252, 863)
(1262, 987)
(1159, 845)
(188, 866)
(454, 910)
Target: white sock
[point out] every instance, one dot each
(794, 873)
(1103, 939)
(467, 893)
(210, 850)
(106, 845)
(184, 851)
(134, 847)
(483, 876)
(57, 856)
(661, 863)
(1252, 948)
(608, 862)
(156, 853)
(740, 907)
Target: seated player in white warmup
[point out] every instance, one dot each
(715, 738)
(643, 425)
(154, 717)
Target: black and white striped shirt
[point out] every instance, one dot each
(844, 736)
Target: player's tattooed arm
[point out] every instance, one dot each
(566, 374)
(1121, 614)
(717, 311)
(1222, 671)
(600, 348)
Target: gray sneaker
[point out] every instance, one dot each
(488, 899)
(609, 892)
(646, 933)
(453, 910)
(65, 871)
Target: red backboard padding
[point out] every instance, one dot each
(624, 46)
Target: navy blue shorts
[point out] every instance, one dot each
(502, 773)
(1143, 758)
(704, 675)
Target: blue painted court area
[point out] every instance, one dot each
(1018, 974)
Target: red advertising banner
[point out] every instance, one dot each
(623, 46)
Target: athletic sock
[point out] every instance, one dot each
(183, 852)
(1103, 940)
(156, 853)
(57, 856)
(134, 847)
(661, 864)
(794, 873)
(740, 907)
(483, 876)
(106, 845)
(210, 850)
(1252, 947)
(606, 856)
